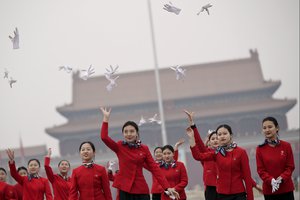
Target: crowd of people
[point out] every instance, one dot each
(226, 170)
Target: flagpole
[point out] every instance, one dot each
(157, 80)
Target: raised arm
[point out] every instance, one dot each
(197, 155)
(178, 144)
(198, 140)
(47, 166)
(12, 166)
(104, 130)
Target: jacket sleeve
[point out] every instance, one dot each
(48, 169)
(14, 173)
(261, 170)
(247, 175)
(289, 165)
(73, 195)
(105, 185)
(198, 140)
(206, 156)
(183, 179)
(48, 192)
(156, 172)
(106, 139)
(176, 155)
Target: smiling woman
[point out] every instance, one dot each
(89, 181)
(34, 186)
(133, 156)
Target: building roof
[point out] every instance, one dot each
(232, 76)
(171, 114)
(31, 151)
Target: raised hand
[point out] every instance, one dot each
(11, 155)
(106, 113)
(178, 143)
(49, 152)
(190, 134)
(190, 116)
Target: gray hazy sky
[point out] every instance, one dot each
(80, 33)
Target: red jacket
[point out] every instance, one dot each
(177, 178)
(7, 192)
(90, 183)
(273, 162)
(34, 189)
(233, 170)
(131, 161)
(111, 177)
(209, 167)
(60, 186)
(19, 190)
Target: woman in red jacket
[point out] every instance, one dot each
(234, 180)
(89, 181)
(175, 172)
(22, 171)
(156, 189)
(7, 192)
(132, 156)
(34, 186)
(60, 182)
(275, 163)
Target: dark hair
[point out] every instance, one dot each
(168, 147)
(66, 161)
(22, 168)
(271, 119)
(2, 169)
(34, 159)
(224, 126)
(211, 134)
(92, 145)
(131, 123)
(157, 148)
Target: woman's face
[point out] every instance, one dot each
(213, 141)
(86, 152)
(270, 130)
(168, 155)
(33, 167)
(64, 167)
(2, 176)
(223, 136)
(22, 172)
(130, 134)
(158, 154)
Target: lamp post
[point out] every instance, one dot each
(157, 79)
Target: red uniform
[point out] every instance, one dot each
(61, 186)
(177, 178)
(233, 171)
(131, 161)
(209, 167)
(34, 189)
(19, 190)
(111, 177)
(7, 192)
(90, 183)
(273, 162)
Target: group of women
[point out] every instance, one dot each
(226, 171)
